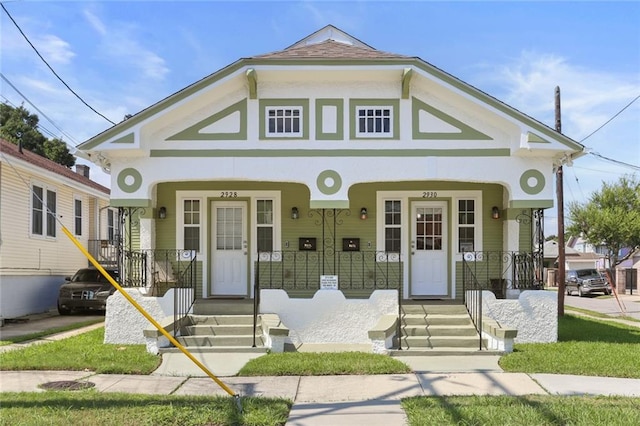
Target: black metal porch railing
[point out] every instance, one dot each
(498, 272)
(162, 269)
(357, 271)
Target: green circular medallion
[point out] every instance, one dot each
(527, 182)
(329, 182)
(129, 180)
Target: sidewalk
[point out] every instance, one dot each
(335, 400)
(338, 400)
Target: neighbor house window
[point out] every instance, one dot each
(466, 225)
(392, 225)
(77, 216)
(111, 225)
(43, 211)
(284, 121)
(191, 225)
(264, 223)
(374, 122)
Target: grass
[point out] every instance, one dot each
(49, 332)
(587, 347)
(523, 410)
(93, 408)
(320, 364)
(83, 352)
(600, 314)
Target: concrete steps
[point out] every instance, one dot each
(437, 329)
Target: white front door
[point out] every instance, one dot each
(229, 248)
(429, 240)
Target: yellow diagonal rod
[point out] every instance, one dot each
(146, 315)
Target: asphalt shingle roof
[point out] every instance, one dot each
(330, 49)
(8, 148)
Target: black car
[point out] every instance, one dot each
(585, 281)
(86, 290)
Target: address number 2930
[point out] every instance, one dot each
(429, 194)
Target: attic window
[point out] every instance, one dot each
(374, 122)
(284, 121)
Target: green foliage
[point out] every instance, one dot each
(611, 217)
(18, 124)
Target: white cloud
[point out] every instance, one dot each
(121, 46)
(54, 49)
(588, 97)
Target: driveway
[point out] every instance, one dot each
(608, 305)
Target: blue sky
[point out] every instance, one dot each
(123, 56)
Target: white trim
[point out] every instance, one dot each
(366, 134)
(77, 197)
(45, 210)
(206, 197)
(284, 134)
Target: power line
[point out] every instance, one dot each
(49, 66)
(620, 163)
(609, 120)
(38, 109)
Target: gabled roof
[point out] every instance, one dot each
(329, 43)
(10, 149)
(329, 49)
(330, 46)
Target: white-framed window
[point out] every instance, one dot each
(284, 121)
(77, 216)
(191, 224)
(111, 224)
(265, 225)
(374, 121)
(392, 226)
(43, 211)
(466, 225)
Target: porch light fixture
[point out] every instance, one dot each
(162, 212)
(363, 213)
(495, 212)
(294, 213)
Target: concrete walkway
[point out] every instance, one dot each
(329, 400)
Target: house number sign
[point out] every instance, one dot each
(228, 194)
(429, 194)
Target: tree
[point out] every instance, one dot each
(19, 125)
(611, 218)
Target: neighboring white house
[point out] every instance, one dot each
(37, 197)
(333, 148)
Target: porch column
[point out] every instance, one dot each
(511, 243)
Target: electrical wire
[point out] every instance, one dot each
(609, 120)
(49, 66)
(39, 111)
(611, 160)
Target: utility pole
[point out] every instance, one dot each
(560, 276)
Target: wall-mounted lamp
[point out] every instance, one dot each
(363, 213)
(495, 212)
(294, 213)
(162, 212)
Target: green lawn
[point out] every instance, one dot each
(82, 352)
(524, 410)
(95, 409)
(49, 332)
(322, 364)
(585, 346)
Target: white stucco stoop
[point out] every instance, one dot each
(329, 317)
(534, 314)
(124, 324)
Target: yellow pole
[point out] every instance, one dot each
(146, 315)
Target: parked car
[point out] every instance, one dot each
(585, 281)
(87, 289)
